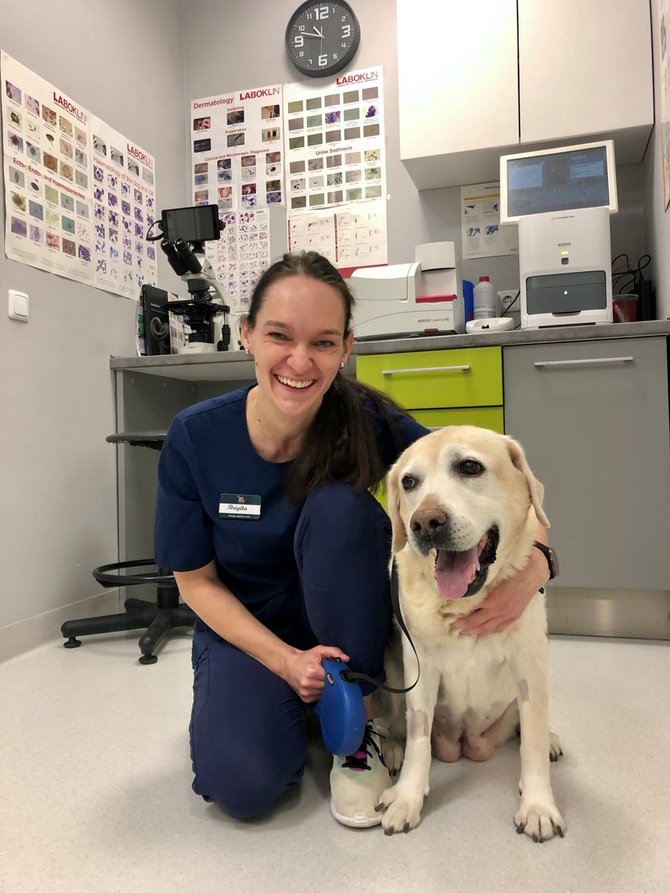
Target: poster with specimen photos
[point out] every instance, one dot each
(241, 254)
(50, 191)
(124, 208)
(236, 149)
(238, 165)
(336, 167)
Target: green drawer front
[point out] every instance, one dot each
(491, 417)
(436, 378)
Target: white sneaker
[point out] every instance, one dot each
(356, 784)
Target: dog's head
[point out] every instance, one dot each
(465, 498)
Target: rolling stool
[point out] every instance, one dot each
(158, 617)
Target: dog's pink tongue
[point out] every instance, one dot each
(454, 572)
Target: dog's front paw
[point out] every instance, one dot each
(539, 820)
(402, 810)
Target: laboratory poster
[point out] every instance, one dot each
(336, 167)
(348, 236)
(49, 145)
(237, 152)
(46, 146)
(241, 254)
(481, 232)
(664, 77)
(124, 202)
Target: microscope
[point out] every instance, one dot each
(183, 233)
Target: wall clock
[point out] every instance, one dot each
(321, 38)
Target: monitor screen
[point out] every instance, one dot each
(192, 224)
(562, 179)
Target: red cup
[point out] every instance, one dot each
(625, 308)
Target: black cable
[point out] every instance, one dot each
(631, 276)
(151, 238)
(511, 304)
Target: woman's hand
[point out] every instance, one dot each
(507, 602)
(304, 673)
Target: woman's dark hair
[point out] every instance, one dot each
(340, 444)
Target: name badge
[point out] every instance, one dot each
(239, 505)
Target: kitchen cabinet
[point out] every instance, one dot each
(585, 69)
(593, 420)
(483, 79)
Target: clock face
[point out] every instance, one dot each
(321, 38)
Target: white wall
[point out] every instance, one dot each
(242, 45)
(123, 61)
(657, 219)
(136, 64)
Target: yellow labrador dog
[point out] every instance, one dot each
(464, 506)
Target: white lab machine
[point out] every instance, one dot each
(409, 300)
(562, 199)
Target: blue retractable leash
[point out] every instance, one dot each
(340, 709)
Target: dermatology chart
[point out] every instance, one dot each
(238, 164)
(236, 142)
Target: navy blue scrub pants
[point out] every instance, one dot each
(248, 738)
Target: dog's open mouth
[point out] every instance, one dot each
(462, 574)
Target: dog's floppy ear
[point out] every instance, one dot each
(399, 540)
(536, 489)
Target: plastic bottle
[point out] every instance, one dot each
(468, 300)
(485, 299)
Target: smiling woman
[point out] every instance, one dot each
(263, 500)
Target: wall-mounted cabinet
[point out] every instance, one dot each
(476, 80)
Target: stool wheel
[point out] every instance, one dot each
(72, 643)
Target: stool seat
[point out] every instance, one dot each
(151, 439)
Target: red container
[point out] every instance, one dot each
(625, 308)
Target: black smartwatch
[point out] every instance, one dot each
(551, 556)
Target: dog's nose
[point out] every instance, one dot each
(427, 522)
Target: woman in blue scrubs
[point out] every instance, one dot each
(265, 517)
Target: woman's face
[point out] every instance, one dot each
(298, 343)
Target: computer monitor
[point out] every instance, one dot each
(565, 178)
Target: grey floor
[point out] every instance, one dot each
(95, 789)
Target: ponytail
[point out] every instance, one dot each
(341, 443)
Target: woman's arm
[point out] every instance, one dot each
(216, 605)
(507, 602)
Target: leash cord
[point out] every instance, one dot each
(351, 675)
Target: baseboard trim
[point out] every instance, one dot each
(17, 638)
(619, 613)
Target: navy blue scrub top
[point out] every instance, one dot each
(208, 453)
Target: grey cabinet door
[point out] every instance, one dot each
(593, 418)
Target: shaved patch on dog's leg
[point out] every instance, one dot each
(418, 724)
(523, 690)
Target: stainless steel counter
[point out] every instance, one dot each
(236, 366)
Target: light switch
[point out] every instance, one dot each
(19, 305)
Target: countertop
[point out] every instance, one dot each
(237, 366)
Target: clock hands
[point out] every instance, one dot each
(316, 33)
